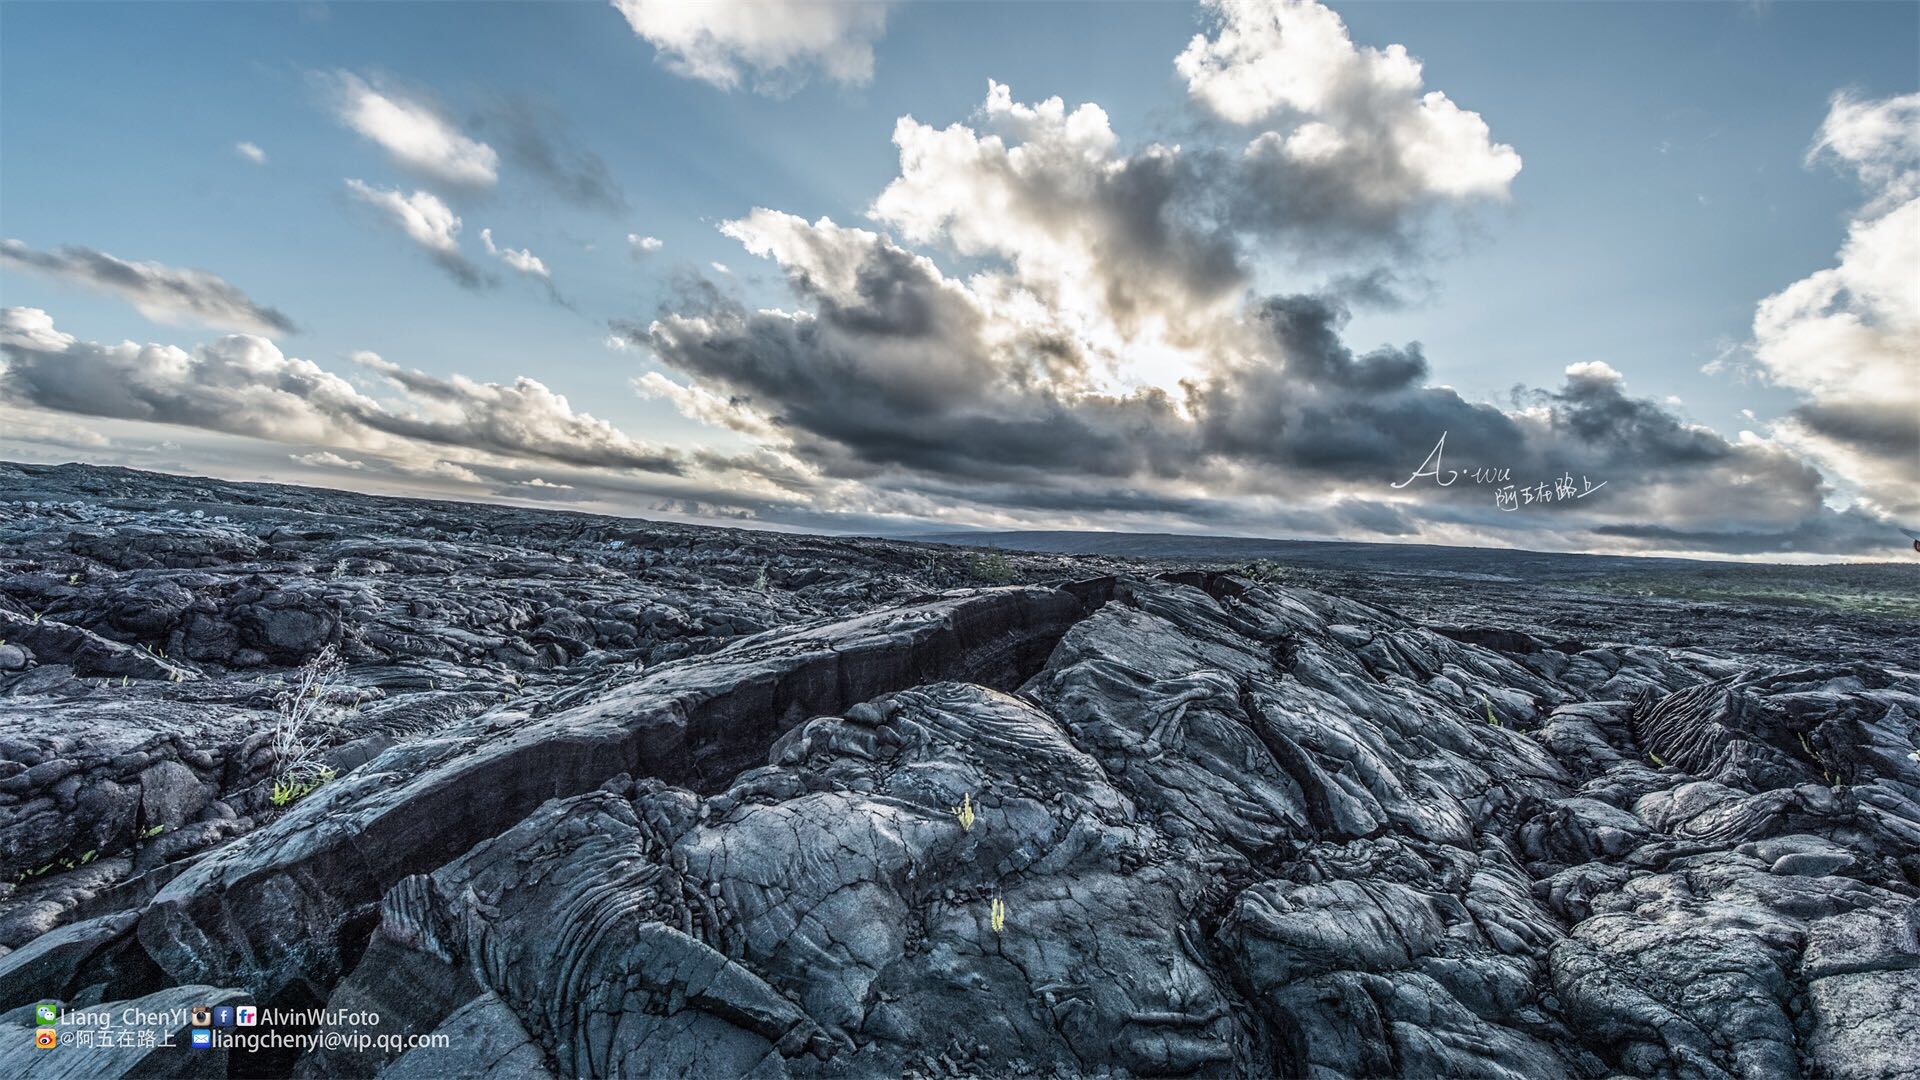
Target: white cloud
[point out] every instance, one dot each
(778, 43)
(165, 294)
(1848, 337)
(1116, 245)
(1595, 370)
(47, 429)
(250, 152)
(413, 133)
(720, 268)
(1880, 139)
(644, 245)
(520, 259)
(1342, 111)
(327, 459)
(426, 221)
(422, 216)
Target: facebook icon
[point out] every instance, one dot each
(223, 1016)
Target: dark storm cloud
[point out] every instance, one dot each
(162, 293)
(1847, 532)
(1887, 430)
(464, 272)
(1380, 287)
(538, 139)
(827, 384)
(1164, 234)
(244, 385)
(891, 371)
(1595, 411)
(897, 377)
(1309, 403)
(523, 417)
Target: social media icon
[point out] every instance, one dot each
(223, 1016)
(246, 1015)
(47, 1012)
(46, 1038)
(202, 1016)
(202, 1039)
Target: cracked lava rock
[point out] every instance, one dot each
(613, 798)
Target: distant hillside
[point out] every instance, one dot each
(1503, 563)
(1889, 588)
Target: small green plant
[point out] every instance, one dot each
(1265, 571)
(997, 914)
(73, 579)
(299, 709)
(1655, 758)
(991, 567)
(30, 874)
(964, 812)
(1491, 719)
(153, 832)
(300, 783)
(760, 580)
(37, 616)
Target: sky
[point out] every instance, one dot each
(1566, 276)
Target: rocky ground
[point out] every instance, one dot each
(595, 796)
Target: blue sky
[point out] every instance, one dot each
(1666, 191)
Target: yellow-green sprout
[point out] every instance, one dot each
(964, 812)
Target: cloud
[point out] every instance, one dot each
(429, 469)
(429, 223)
(1847, 337)
(250, 152)
(527, 264)
(1880, 140)
(642, 246)
(162, 293)
(415, 134)
(1156, 241)
(777, 44)
(1107, 234)
(42, 429)
(1107, 358)
(524, 417)
(538, 139)
(912, 384)
(243, 385)
(1350, 134)
(520, 259)
(327, 459)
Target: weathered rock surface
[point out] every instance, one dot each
(1119, 824)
